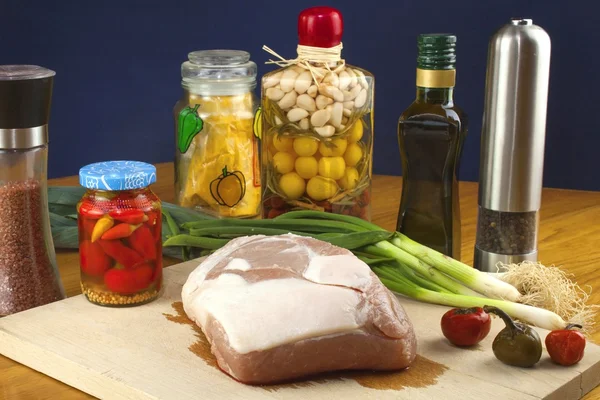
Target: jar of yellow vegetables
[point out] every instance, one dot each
(317, 125)
(217, 165)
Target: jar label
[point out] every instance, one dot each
(256, 164)
(229, 188)
(257, 129)
(219, 172)
(257, 123)
(189, 124)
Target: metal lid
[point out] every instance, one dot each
(117, 175)
(25, 97)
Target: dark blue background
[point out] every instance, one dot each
(118, 68)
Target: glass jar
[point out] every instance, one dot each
(317, 126)
(120, 239)
(28, 271)
(217, 165)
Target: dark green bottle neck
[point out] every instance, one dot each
(435, 95)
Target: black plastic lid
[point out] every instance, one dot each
(436, 51)
(25, 96)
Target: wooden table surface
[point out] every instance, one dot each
(569, 236)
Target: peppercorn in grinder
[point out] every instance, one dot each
(512, 145)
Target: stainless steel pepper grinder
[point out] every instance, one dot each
(512, 145)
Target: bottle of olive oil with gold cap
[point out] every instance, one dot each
(431, 133)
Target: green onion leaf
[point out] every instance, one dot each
(196, 241)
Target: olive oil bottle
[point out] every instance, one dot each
(431, 133)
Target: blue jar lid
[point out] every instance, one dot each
(117, 175)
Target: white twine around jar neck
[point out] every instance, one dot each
(308, 56)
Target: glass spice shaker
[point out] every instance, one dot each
(512, 145)
(317, 125)
(120, 239)
(217, 166)
(28, 271)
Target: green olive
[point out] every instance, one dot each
(517, 344)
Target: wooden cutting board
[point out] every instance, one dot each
(152, 352)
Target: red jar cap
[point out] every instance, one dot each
(320, 27)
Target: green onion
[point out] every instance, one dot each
(58, 220)
(478, 281)
(327, 235)
(308, 214)
(60, 209)
(386, 249)
(370, 260)
(411, 275)
(316, 225)
(172, 225)
(234, 231)
(196, 241)
(533, 315)
(357, 240)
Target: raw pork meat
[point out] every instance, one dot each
(282, 307)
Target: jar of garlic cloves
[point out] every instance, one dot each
(317, 125)
(217, 165)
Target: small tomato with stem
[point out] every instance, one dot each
(566, 346)
(466, 326)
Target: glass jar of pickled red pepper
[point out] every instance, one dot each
(120, 244)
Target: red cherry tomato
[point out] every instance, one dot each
(566, 346)
(92, 259)
(277, 202)
(365, 198)
(466, 326)
(275, 212)
(325, 204)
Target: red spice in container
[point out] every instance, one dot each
(120, 243)
(28, 276)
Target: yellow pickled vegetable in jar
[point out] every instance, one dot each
(353, 154)
(332, 167)
(283, 162)
(283, 143)
(334, 148)
(356, 133)
(305, 146)
(350, 179)
(292, 185)
(307, 167)
(217, 163)
(320, 188)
